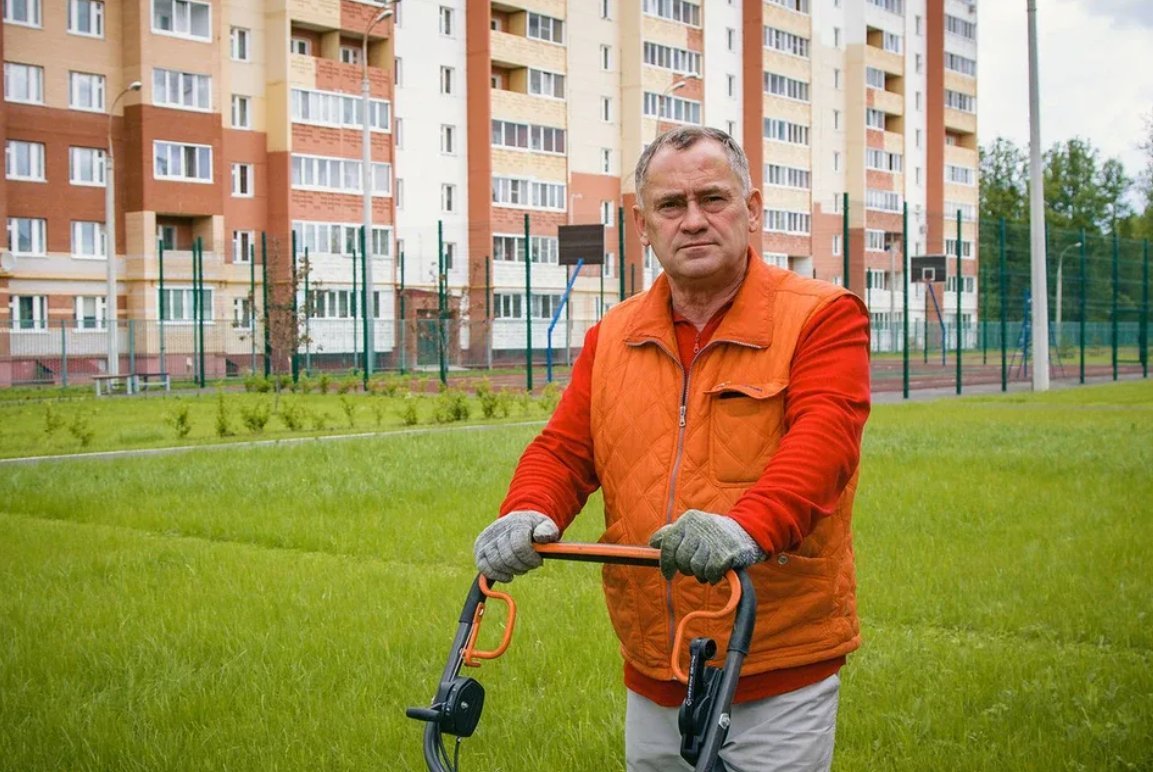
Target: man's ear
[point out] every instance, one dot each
(756, 206)
(639, 223)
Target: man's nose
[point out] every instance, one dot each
(694, 219)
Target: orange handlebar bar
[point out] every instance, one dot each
(470, 654)
(734, 599)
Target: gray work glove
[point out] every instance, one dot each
(504, 549)
(704, 545)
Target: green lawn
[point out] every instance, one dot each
(278, 607)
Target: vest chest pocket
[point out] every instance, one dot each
(744, 429)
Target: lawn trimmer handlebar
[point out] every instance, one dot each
(704, 715)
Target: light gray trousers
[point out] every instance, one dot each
(791, 732)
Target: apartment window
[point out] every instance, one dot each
(960, 101)
(837, 244)
(447, 139)
(23, 83)
(786, 221)
(883, 200)
(917, 174)
(607, 218)
(241, 112)
(542, 27)
(882, 160)
(606, 109)
(961, 175)
(447, 78)
(521, 192)
(27, 235)
(961, 64)
(398, 71)
(86, 91)
(968, 283)
(24, 161)
(448, 198)
(449, 255)
(349, 55)
(875, 78)
(90, 312)
(951, 248)
(88, 240)
(510, 248)
(240, 43)
(243, 246)
(302, 46)
(799, 6)
(918, 62)
(836, 168)
(507, 306)
(86, 17)
(605, 9)
(730, 38)
(891, 42)
(917, 24)
(29, 312)
(23, 12)
(447, 21)
(399, 132)
(184, 162)
(335, 238)
(606, 160)
(892, 6)
(836, 37)
(675, 10)
(917, 100)
(836, 119)
(179, 304)
(166, 236)
(545, 306)
(340, 175)
(671, 108)
(784, 131)
(242, 180)
(185, 90)
(528, 136)
(960, 27)
(399, 195)
(184, 18)
(836, 78)
(783, 86)
(874, 119)
(609, 267)
(323, 108)
(777, 175)
(731, 128)
(86, 166)
(242, 315)
(875, 242)
(679, 60)
(544, 83)
(731, 86)
(606, 58)
(786, 42)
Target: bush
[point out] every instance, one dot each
(179, 420)
(284, 382)
(408, 413)
(487, 397)
(451, 405)
(319, 420)
(324, 382)
(348, 384)
(255, 416)
(378, 411)
(52, 420)
(293, 415)
(257, 383)
(223, 420)
(305, 385)
(550, 397)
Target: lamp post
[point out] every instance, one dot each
(1060, 258)
(676, 85)
(110, 239)
(366, 182)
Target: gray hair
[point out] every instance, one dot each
(684, 137)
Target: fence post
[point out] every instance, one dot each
(528, 303)
(620, 249)
(1116, 293)
(295, 330)
(960, 292)
(307, 315)
(1145, 311)
(251, 306)
(1003, 281)
(905, 299)
(267, 316)
(131, 347)
(160, 307)
(402, 330)
(203, 310)
(845, 239)
(488, 310)
(368, 307)
(442, 301)
(63, 354)
(197, 300)
(1082, 291)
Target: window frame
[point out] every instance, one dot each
(34, 9)
(99, 165)
(184, 146)
(28, 70)
(189, 5)
(33, 161)
(38, 237)
(99, 238)
(240, 44)
(98, 88)
(243, 179)
(97, 16)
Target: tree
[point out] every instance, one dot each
(1080, 192)
(1004, 181)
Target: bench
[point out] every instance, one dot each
(142, 381)
(108, 384)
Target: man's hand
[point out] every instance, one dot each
(704, 545)
(504, 549)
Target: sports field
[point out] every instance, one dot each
(278, 607)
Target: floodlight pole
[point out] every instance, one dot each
(110, 301)
(1039, 283)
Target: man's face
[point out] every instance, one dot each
(695, 218)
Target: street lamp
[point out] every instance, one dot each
(366, 181)
(110, 239)
(1060, 258)
(676, 85)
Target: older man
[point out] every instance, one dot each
(721, 413)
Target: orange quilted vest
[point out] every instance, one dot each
(667, 440)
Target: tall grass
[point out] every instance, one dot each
(278, 607)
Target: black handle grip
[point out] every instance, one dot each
(423, 714)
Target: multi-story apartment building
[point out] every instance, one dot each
(491, 124)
